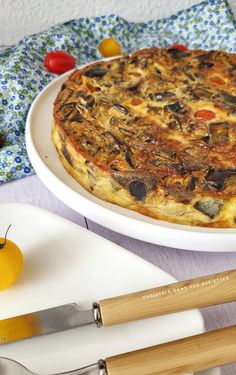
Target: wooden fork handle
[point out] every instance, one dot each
(185, 295)
(182, 356)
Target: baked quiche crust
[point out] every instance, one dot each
(154, 132)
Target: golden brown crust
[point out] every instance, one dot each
(154, 132)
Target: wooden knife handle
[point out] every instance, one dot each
(185, 295)
(182, 356)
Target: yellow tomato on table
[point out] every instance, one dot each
(109, 47)
(11, 262)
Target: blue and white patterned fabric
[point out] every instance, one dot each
(208, 25)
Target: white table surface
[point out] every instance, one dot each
(181, 264)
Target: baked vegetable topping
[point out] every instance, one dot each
(154, 132)
(210, 207)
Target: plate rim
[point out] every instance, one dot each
(49, 178)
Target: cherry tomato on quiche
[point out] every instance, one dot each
(11, 262)
(217, 80)
(136, 101)
(181, 47)
(109, 47)
(59, 62)
(204, 114)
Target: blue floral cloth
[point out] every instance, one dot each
(208, 25)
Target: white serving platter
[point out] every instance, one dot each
(64, 262)
(47, 165)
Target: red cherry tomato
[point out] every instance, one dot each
(217, 80)
(179, 46)
(136, 101)
(204, 114)
(135, 74)
(59, 62)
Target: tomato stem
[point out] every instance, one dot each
(2, 245)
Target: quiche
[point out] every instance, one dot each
(154, 132)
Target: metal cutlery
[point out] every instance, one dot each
(187, 355)
(185, 295)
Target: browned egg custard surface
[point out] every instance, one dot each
(154, 132)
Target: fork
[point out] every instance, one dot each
(187, 355)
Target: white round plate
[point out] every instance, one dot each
(47, 165)
(67, 263)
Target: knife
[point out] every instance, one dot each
(180, 296)
(187, 355)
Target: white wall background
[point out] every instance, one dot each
(23, 17)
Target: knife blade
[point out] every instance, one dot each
(44, 322)
(181, 296)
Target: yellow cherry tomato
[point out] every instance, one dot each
(11, 262)
(109, 47)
